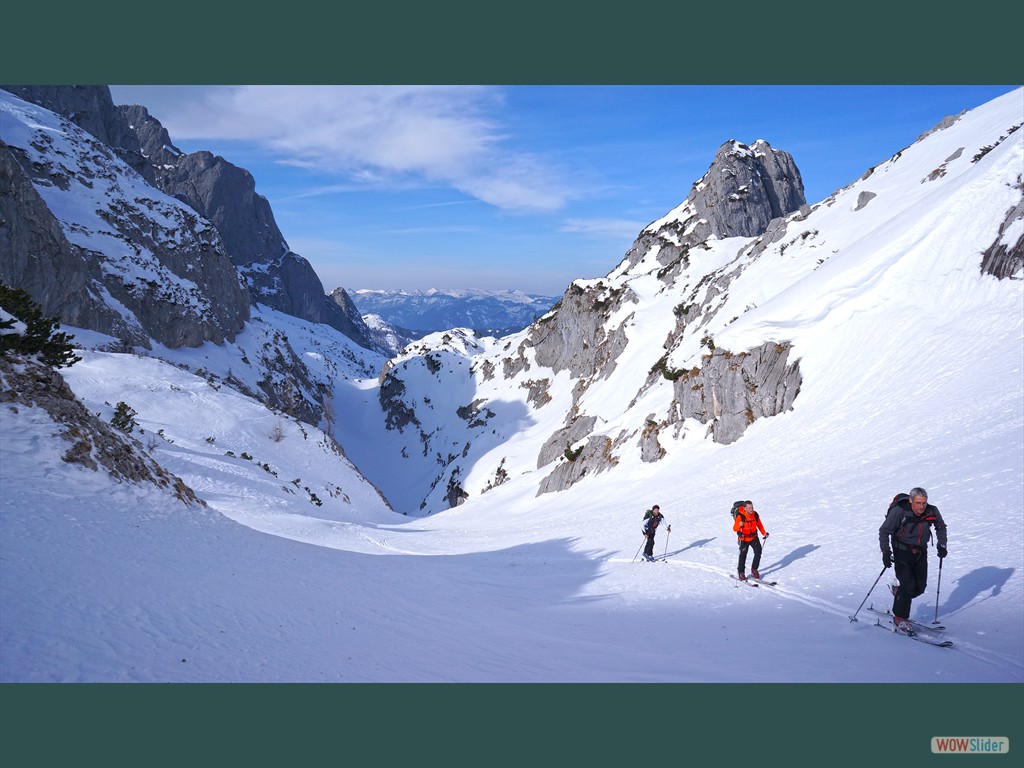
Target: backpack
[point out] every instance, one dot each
(735, 507)
(896, 500)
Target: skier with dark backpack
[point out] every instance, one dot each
(652, 519)
(908, 524)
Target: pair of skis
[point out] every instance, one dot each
(751, 581)
(923, 633)
(930, 634)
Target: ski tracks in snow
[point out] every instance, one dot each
(972, 649)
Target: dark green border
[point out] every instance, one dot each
(705, 724)
(746, 43)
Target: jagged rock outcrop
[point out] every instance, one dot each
(1005, 257)
(651, 449)
(744, 189)
(594, 457)
(729, 391)
(561, 442)
(575, 336)
(36, 257)
(748, 192)
(91, 108)
(226, 194)
(126, 259)
(349, 321)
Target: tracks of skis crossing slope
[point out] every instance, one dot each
(975, 651)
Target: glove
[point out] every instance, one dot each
(766, 534)
(942, 555)
(942, 551)
(887, 559)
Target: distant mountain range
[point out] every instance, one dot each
(491, 313)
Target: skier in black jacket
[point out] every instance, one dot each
(908, 526)
(652, 519)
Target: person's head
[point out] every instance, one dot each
(918, 500)
(749, 505)
(655, 508)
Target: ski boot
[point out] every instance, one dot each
(903, 626)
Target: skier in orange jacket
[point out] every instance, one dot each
(746, 524)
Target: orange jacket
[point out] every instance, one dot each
(747, 523)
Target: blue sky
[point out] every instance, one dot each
(525, 187)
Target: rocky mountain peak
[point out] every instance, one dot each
(744, 189)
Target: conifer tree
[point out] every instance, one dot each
(41, 336)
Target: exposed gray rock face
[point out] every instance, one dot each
(575, 336)
(650, 448)
(91, 108)
(348, 320)
(1005, 258)
(160, 271)
(595, 457)
(747, 187)
(220, 191)
(747, 192)
(863, 199)
(226, 195)
(37, 258)
(560, 443)
(744, 189)
(397, 413)
(454, 493)
(729, 391)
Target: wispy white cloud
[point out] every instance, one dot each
(604, 228)
(382, 135)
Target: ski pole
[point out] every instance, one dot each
(669, 533)
(854, 617)
(938, 584)
(638, 550)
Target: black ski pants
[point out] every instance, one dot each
(912, 573)
(649, 546)
(754, 545)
